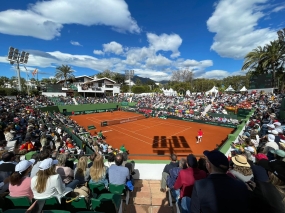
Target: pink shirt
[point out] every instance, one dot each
(24, 189)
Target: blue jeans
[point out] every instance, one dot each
(72, 184)
(184, 204)
(175, 193)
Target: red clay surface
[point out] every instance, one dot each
(153, 136)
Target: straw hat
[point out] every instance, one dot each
(240, 160)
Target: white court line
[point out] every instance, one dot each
(167, 137)
(127, 134)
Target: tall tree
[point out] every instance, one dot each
(272, 58)
(119, 78)
(182, 76)
(3, 81)
(64, 72)
(105, 74)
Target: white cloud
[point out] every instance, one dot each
(98, 52)
(45, 19)
(234, 23)
(279, 8)
(158, 60)
(137, 55)
(147, 61)
(75, 43)
(28, 23)
(113, 47)
(218, 74)
(165, 42)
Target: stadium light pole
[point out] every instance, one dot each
(129, 74)
(281, 34)
(14, 56)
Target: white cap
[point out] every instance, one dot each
(249, 148)
(271, 126)
(47, 163)
(277, 124)
(24, 165)
(274, 132)
(271, 138)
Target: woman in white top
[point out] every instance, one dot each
(47, 183)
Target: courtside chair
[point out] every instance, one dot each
(97, 189)
(17, 202)
(55, 211)
(107, 202)
(120, 189)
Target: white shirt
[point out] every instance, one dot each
(54, 188)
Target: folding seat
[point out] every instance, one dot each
(120, 189)
(97, 189)
(107, 202)
(77, 204)
(17, 202)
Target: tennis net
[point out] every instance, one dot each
(123, 120)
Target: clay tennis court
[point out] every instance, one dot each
(154, 138)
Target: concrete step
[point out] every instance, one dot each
(147, 198)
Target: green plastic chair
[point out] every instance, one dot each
(120, 189)
(17, 202)
(52, 203)
(79, 204)
(97, 189)
(55, 211)
(107, 202)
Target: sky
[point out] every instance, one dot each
(151, 37)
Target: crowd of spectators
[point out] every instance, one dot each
(252, 176)
(39, 160)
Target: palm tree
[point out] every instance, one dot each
(272, 58)
(64, 72)
(254, 59)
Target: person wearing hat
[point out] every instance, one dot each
(270, 145)
(269, 196)
(278, 154)
(20, 182)
(42, 156)
(241, 168)
(218, 192)
(47, 183)
(275, 133)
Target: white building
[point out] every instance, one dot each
(85, 85)
(99, 87)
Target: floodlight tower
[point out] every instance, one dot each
(14, 56)
(281, 35)
(129, 75)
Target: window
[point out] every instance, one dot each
(109, 86)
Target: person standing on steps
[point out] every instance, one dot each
(200, 135)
